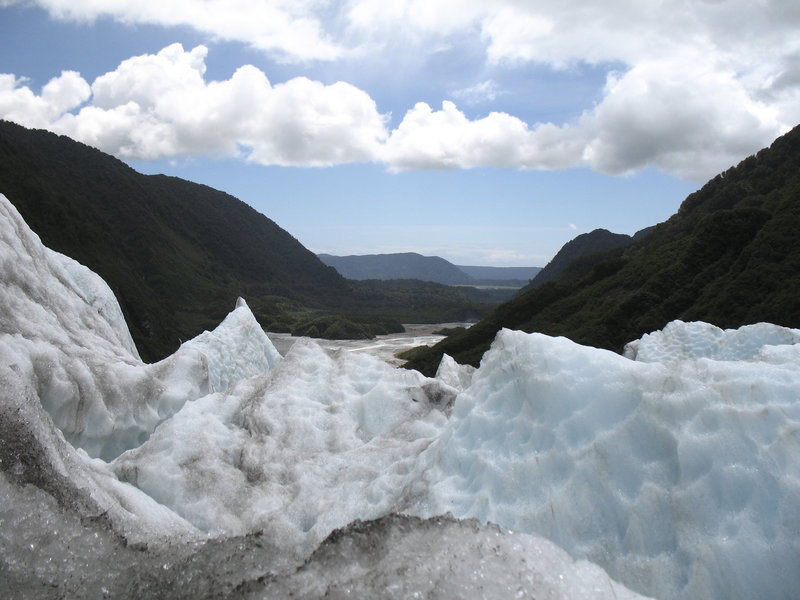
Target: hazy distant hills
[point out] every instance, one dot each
(178, 254)
(410, 265)
(407, 265)
(729, 256)
(501, 275)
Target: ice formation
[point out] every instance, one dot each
(680, 479)
(685, 341)
(402, 557)
(65, 334)
(454, 374)
(297, 452)
(226, 470)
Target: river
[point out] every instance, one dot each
(382, 346)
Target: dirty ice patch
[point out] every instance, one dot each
(306, 448)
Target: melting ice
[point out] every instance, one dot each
(553, 470)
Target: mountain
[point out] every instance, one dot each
(405, 265)
(510, 276)
(583, 245)
(410, 265)
(175, 253)
(730, 256)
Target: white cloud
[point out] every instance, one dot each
(61, 94)
(411, 19)
(447, 139)
(689, 119)
(480, 93)
(699, 85)
(289, 29)
(157, 106)
(702, 85)
(312, 124)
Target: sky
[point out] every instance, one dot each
(487, 132)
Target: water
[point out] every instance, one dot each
(385, 347)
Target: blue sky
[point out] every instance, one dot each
(488, 133)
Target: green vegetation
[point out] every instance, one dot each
(178, 254)
(730, 256)
(581, 247)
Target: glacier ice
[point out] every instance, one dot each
(66, 334)
(309, 446)
(227, 470)
(680, 479)
(681, 341)
(403, 557)
(454, 374)
(237, 349)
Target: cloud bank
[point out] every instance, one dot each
(157, 106)
(694, 88)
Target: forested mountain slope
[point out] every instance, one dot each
(176, 253)
(585, 244)
(730, 256)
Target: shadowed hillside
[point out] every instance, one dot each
(582, 246)
(174, 252)
(178, 254)
(729, 256)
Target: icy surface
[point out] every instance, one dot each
(223, 470)
(454, 374)
(680, 480)
(62, 329)
(439, 558)
(689, 341)
(237, 349)
(308, 447)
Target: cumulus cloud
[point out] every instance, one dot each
(691, 88)
(288, 29)
(697, 85)
(18, 103)
(688, 119)
(160, 105)
(447, 139)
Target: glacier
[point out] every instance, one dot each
(228, 470)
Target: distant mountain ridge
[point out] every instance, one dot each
(411, 265)
(730, 256)
(404, 265)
